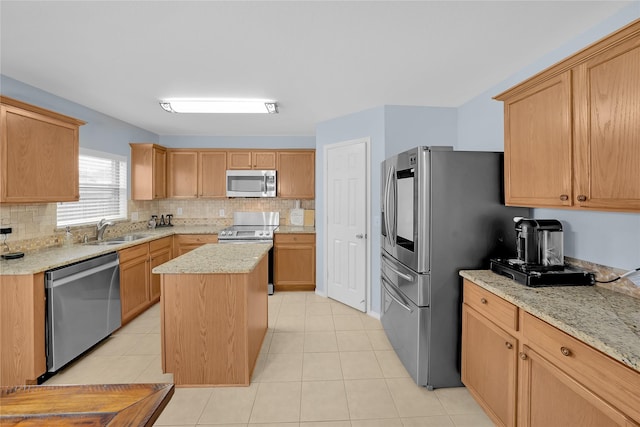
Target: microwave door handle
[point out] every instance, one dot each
(264, 184)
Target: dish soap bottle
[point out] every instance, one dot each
(68, 237)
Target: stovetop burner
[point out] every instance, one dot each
(540, 275)
(251, 226)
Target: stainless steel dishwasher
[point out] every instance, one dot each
(83, 307)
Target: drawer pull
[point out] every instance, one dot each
(564, 197)
(565, 351)
(508, 345)
(483, 300)
(523, 356)
(582, 198)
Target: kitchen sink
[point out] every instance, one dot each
(118, 240)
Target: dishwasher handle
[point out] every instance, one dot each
(79, 275)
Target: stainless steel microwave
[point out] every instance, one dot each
(251, 183)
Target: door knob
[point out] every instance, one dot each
(359, 236)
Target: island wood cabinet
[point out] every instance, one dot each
(296, 174)
(571, 131)
(22, 329)
(250, 159)
(139, 288)
(294, 260)
(148, 171)
(560, 380)
(38, 154)
(183, 243)
(196, 173)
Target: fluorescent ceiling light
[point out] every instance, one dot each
(255, 106)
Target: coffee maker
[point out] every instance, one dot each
(539, 257)
(539, 242)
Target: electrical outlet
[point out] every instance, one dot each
(221, 213)
(134, 216)
(6, 230)
(179, 210)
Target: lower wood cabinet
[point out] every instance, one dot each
(525, 372)
(22, 329)
(183, 243)
(139, 288)
(294, 260)
(489, 366)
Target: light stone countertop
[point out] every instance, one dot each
(46, 259)
(291, 229)
(604, 319)
(217, 259)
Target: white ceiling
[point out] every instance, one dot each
(318, 59)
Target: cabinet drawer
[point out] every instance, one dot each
(160, 244)
(307, 238)
(193, 239)
(499, 311)
(133, 252)
(614, 382)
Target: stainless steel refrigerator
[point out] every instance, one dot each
(442, 211)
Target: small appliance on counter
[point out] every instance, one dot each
(540, 256)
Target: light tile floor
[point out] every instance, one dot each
(322, 364)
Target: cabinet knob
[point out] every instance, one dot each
(564, 197)
(508, 345)
(523, 356)
(565, 351)
(483, 300)
(582, 198)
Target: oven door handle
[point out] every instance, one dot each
(393, 297)
(399, 273)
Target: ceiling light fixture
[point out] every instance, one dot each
(251, 106)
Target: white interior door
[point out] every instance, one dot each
(347, 222)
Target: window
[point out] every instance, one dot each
(103, 190)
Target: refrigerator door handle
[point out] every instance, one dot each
(387, 205)
(399, 273)
(393, 297)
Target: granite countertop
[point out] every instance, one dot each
(290, 229)
(604, 319)
(46, 259)
(217, 259)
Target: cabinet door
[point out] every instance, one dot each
(537, 146)
(159, 173)
(550, 397)
(182, 174)
(263, 160)
(212, 176)
(239, 159)
(607, 134)
(294, 262)
(134, 281)
(39, 157)
(489, 361)
(156, 259)
(296, 174)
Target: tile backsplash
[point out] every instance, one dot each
(34, 225)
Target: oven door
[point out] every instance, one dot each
(405, 208)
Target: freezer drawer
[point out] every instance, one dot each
(413, 285)
(406, 326)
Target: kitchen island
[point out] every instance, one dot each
(213, 313)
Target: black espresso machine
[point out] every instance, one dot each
(540, 256)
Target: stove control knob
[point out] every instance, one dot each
(260, 233)
(223, 233)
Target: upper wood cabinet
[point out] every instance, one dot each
(196, 173)
(38, 154)
(148, 171)
(571, 131)
(250, 159)
(296, 174)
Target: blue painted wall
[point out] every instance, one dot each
(266, 142)
(102, 132)
(606, 238)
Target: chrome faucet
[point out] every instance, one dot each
(100, 227)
